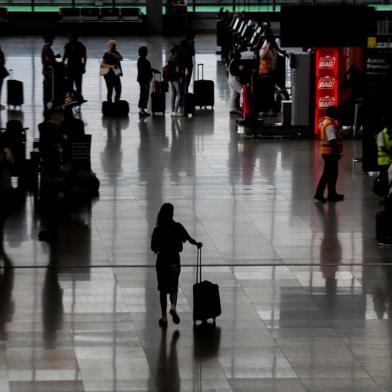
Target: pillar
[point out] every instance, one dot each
(154, 16)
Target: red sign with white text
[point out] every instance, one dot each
(331, 66)
(327, 72)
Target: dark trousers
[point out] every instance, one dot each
(48, 90)
(74, 78)
(144, 93)
(1, 85)
(113, 82)
(264, 94)
(329, 176)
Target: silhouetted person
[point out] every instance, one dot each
(112, 71)
(167, 241)
(75, 58)
(49, 69)
(331, 147)
(3, 74)
(144, 76)
(187, 53)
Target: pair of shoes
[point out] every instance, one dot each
(320, 198)
(2, 107)
(144, 114)
(176, 318)
(336, 197)
(163, 322)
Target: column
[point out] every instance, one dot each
(154, 15)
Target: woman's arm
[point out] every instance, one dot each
(193, 241)
(117, 55)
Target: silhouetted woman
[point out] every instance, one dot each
(167, 239)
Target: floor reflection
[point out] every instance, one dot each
(167, 377)
(330, 248)
(7, 275)
(52, 306)
(206, 341)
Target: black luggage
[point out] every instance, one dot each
(203, 90)
(14, 93)
(115, 109)
(206, 299)
(383, 232)
(158, 97)
(189, 104)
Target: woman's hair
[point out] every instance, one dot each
(165, 214)
(332, 112)
(112, 44)
(175, 49)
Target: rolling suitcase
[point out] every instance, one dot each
(203, 90)
(14, 93)
(189, 104)
(206, 299)
(115, 109)
(158, 97)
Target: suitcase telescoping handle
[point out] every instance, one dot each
(200, 66)
(198, 266)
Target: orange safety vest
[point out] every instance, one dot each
(265, 66)
(326, 147)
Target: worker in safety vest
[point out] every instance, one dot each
(384, 147)
(331, 152)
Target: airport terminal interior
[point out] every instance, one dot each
(305, 290)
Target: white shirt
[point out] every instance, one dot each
(330, 132)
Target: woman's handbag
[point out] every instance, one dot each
(380, 186)
(103, 69)
(3, 72)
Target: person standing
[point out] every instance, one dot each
(266, 75)
(49, 68)
(112, 71)
(331, 151)
(75, 59)
(144, 77)
(3, 74)
(233, 80)
(384, 155)
(175, 77)
(188, 53)
(167, 242)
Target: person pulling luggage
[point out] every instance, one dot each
(144, 76)
(167, 242)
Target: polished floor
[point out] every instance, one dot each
(306, 292)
